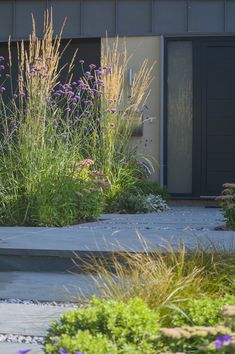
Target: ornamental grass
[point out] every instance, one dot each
(50, 127)
(167, 279)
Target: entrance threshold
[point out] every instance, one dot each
(208, 197)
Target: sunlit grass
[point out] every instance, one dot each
(167, 279)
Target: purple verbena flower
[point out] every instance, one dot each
(99, 82)
(2, 67)
(82, 86)
(2, 89)
(92, 66)
(222, 340)
(112, 110)
(94, 90)
(1, 58)
(88, 102)
(24, 351)
(66, 86)
(109, 69)
(81, 62)
(63, 351)
(8, 76)
(99, 72)
(70, 93)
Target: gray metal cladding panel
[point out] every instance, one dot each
(134, 17)
(6, 19)
(23, 17)
(230, 16)
(206, 16)
(99, 17)
(69, 10)
(93, 18)
(170, 16)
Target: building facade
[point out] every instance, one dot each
(190, 130)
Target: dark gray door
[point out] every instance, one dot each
(217, 115)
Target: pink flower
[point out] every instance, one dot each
(86, 163)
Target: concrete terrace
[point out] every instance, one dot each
(115, 232)
(34, 263)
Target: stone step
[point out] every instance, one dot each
(47, 287)
(28, 320)
(13, 348)
(42, 249)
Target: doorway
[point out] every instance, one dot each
(200, 115)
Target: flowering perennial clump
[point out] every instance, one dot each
(46, 123)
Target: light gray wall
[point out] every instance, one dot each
(139, 49)
(93, 18)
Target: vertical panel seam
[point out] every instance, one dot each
(116, 17)
(152, 16)
(81, 17)
(225, 16)
(187, 15)
(13, 18)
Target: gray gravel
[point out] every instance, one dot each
(13, 338)
(35, 302)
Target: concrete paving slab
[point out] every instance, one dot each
(43, 249)
(13, 348)
(49, 287)
(29, 320)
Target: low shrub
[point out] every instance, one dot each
(227, 200)
(155, 203)
(116, 326)
(137, 203)
(128, 203)
(204, 311)
(122, 328)
(148, 187)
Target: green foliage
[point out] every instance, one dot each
(149, 187)
(137, 203)
(227, 200)
(128, 326)
(82, 341)
(128, 203)
(166, 280)
(204, 311)
(47, 124)
(41, 190)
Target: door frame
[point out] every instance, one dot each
(199, 44)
